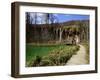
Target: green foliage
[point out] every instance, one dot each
(37, 61)
(34, 50)
(56, 57)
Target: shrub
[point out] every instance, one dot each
(45, 63)
(36, 61)
(56, 57)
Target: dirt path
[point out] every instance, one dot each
(79, 58)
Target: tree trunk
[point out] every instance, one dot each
(60, 35)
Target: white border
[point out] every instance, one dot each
(38, 70)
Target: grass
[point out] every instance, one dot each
(34, 50)
(44, 55)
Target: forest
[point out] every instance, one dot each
(52, 29)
